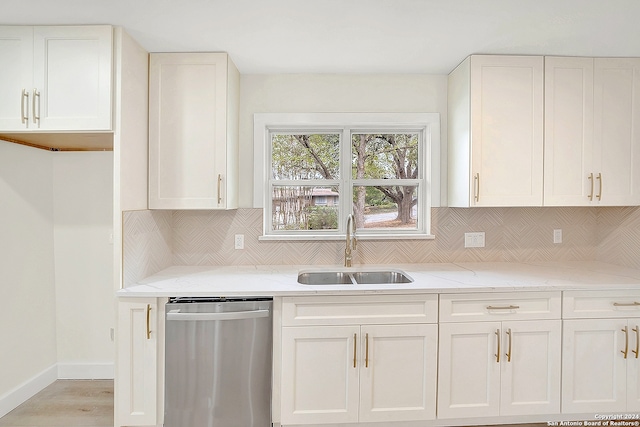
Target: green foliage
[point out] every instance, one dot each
(316, 156)
(322, 218)
(385, 156)
(305, 156)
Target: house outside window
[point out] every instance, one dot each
(316, 169)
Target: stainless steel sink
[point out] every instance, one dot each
(324, 278)
(381, 277)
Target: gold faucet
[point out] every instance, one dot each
(350, 240)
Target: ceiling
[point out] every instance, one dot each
(354, 36)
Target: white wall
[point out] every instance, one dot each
(83, 248)
(320, 93)
(27, 318)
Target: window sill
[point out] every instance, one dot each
(359, 237)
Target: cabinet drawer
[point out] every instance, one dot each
(500, 306)
(601, 304)
(361, 310)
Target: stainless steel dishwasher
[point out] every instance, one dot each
(218, 362)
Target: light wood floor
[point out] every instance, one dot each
(77, 403)
(66, 403)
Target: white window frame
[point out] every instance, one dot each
(428, 124)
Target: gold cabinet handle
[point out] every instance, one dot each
(24, 107)
(498, 340)
(366, 350)
(626, 304)
(36, 116)
(219, 187)
(508, 354)
(476, 187)
(590, 196)
(355, 347)
(626, 341)
(599, 195)
(503, 307)
(637, 350)
(148, 323)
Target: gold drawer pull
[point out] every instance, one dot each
(366, 350)
(498, 340)
(36, 115)
(24, 107)
(503, 307)
(637, 350)
(626, 341)
(626, 304)
(508, 354)
(476, 187)
(590, 178)
(148, 323)
(355, 347)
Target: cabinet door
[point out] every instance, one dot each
(320, 374)
(593, 366)
(398, 372)
(187, 131)
(16, 76)
(633, 365)
(530, 362)
(616, 130)
(568, 142)
(72, 78)
(469, 375)
(136, 385)
(507, 130)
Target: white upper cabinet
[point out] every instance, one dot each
(495, 116)
(56, 78)
(592, 141)
(193, 131)
(16, 76)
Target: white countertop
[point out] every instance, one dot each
(264, 280)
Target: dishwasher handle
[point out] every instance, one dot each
(231, 315)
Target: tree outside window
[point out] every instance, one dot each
(318, 168)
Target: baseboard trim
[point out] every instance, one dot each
(20, 394)
(86, 371)
(68, 371)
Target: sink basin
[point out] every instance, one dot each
(324, 278)
(381, 277)
(353, 277)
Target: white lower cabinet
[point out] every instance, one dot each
(490, 366)
(499, 368)
(601, 346)
(136, 387)
(319, 379)
(349, 373)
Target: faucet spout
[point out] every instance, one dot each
(350, 240)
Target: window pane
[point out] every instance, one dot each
(305, 156)
(390, 207)
(384, 156)
(305, 208)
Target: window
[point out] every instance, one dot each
(313, 170)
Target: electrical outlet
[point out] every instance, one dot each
(557, 236)
(474, 240)
(238, 241)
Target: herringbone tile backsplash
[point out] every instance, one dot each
(154, 240)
